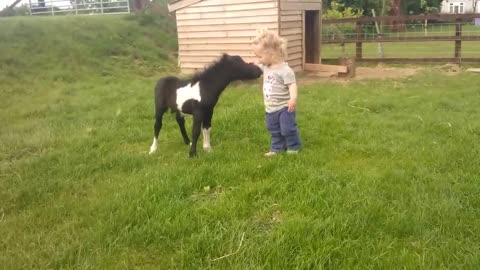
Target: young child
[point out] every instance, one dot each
(279, 92)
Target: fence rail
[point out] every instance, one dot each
(431, 17)
(436, 29)
(78, 7)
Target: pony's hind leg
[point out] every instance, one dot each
(196, 128)
(181, 125)
(157, 127)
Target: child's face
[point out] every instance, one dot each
(262, 54)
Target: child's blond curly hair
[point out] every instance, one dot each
(270, 42)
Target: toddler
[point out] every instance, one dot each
(279, 92)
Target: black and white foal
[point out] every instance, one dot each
(198, 97)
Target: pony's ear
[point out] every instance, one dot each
(225, 55)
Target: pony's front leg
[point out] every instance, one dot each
(197, 125)
(207, 128)
(206, 139)
(157, 127)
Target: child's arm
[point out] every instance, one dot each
(292, 103)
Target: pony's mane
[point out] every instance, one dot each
(208, 71)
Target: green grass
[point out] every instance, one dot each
(430, 49)
(68, 49)
(387, 179)
(438, 49)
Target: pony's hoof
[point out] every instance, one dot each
(207, 149)
(152, 151)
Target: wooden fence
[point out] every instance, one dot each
(359, 37)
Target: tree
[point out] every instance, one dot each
(368, 5)
(9, 9)
(430, 7)
(339, 10)
(21, 10)
(419, 7)
(474, 5)
(383, 6)
(386, 6)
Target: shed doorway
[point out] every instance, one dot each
(312, 36)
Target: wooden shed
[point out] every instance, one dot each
(207, 28)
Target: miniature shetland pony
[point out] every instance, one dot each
(198, 97)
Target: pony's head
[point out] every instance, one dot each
(238, 69)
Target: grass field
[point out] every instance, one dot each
(438, 49)
(388, 177)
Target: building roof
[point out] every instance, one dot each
(179, 4)
(287, 5)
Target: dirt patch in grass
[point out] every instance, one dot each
(362, 73)
(382, 72)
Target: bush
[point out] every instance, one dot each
(339, 11)
(22, 10)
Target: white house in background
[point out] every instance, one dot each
(460, 6)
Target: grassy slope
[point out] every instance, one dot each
(390, 187)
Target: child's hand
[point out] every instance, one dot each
(292, 104)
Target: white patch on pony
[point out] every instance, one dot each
(153, 148)
(206, 140)
(186, 93)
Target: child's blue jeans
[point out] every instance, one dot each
(282, 126)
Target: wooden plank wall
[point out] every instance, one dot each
(208, 28)
(301, 4)
(291, 28)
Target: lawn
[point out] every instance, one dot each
(433, 49)
(388, 177)
(430, 49)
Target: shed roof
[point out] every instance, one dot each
(178, 4)
(287, 5)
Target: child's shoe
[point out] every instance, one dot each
(270, 154)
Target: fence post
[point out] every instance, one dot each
(358, 44)
(51, 3)
(458, 40)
